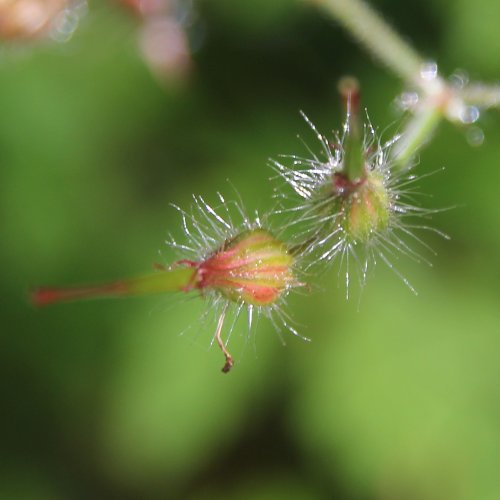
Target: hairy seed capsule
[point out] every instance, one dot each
(254, 268)
(367, 209)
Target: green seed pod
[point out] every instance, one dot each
(366, 209)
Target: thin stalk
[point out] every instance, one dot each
(368, 27)
(354, 155)
(441, 100)
(169, 280)
(481, 95)
(417, 131)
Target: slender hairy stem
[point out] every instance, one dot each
(377, 36)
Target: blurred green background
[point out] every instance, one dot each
(397, 400)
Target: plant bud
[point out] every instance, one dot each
(253, 268)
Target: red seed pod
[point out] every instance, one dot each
(243, 266)
(254, 268)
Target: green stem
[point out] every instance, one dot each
(417, 131)
(377, 36)
(168, 280)
(354, 155)
(481, 95)
(439, 100)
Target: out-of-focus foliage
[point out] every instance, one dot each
(395, 398)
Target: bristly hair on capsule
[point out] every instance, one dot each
(354, 222)
(240, 267)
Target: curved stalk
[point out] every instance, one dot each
(368, 27)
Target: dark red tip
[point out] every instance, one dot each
(45, 296)
(50, 295)
(349, 92)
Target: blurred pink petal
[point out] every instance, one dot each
(164, 46)
(28, 19)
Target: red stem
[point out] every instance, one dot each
(51, 295)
